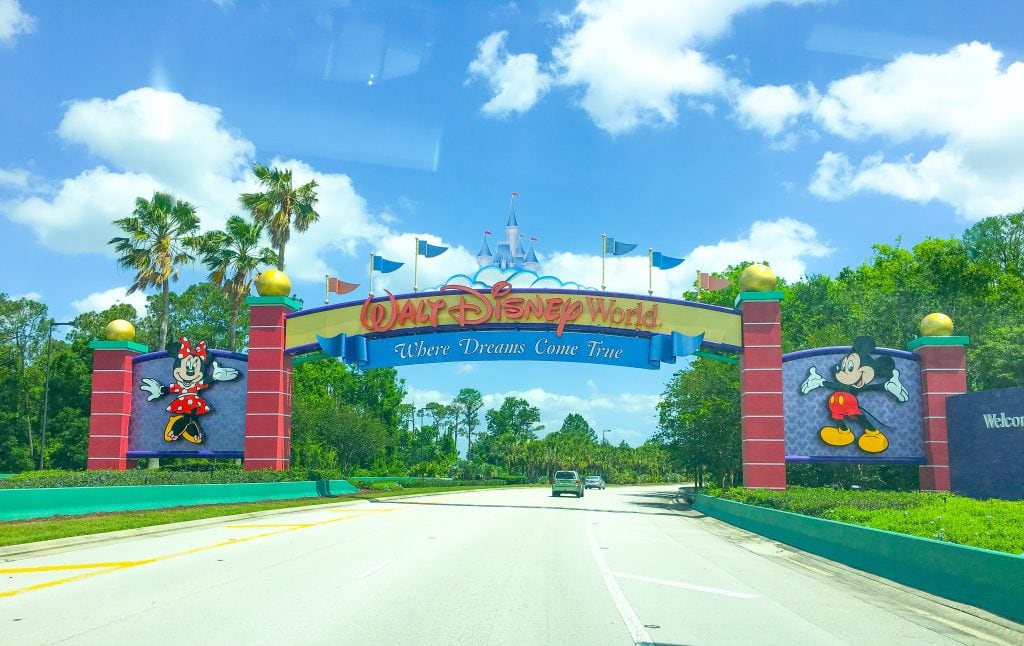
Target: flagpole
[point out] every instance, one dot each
(604, 247)
(371, 273)
(327, 288)
(416, 267)
(650, 271)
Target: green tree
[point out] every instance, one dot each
(281, 207)
(161, 236)
(200, 312)
(233, 257)
(466, 408)
(24, 328)
(699, 420)
(998, 240)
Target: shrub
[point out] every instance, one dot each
(55, 478)
(989, 524)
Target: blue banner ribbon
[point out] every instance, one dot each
(666, 348)
(350, 349)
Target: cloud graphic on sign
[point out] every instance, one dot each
(487, 276)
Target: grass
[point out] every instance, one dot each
(43, 529)
(990, 524)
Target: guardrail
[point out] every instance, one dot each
(24, 504)
(983, 578)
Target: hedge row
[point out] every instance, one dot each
(990, 524)
(56, 478)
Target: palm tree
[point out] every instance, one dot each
(232, 256)
(162, 234)
(281, 207)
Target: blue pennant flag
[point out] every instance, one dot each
(423, 248)
(662, 261)
(384, 265)
(616, 248)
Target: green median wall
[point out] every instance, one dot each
(22, 504)
(983, 578)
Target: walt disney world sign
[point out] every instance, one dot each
(459, 323)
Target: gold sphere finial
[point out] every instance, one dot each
(758, 278)
(273, 282)
(120, 330)
(937, 324)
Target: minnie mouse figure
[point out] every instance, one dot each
(191, 375)
(854, 374)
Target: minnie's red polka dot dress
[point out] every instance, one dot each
(188, 399)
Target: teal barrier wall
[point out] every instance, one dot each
(983, 578)
(21, 504)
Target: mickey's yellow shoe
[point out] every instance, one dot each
(836, 436)
(873, 442)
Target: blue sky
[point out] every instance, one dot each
(796, 132)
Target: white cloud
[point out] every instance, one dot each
(155, 141)
(161, 134)
(516, 81)
(632, 60)
(15, 178)
(965, 98)
(78, 218)
(14, 21)
(100, 301)
(162, 141)
(786, 244)
(29, 296)
(773, 108)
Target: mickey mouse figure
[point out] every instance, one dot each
(855, 374)
(191, 375)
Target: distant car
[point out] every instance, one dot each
(593, 482)
(567, 482)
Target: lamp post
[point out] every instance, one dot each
(604, 435)
(46, 393)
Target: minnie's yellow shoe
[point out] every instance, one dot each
(169, 434)
(873, 442)
(836, 436)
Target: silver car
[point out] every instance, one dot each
(594, 482)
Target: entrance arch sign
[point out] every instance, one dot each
(459, 323)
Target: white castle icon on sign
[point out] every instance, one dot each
(509, 254)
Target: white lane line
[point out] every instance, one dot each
(378, 567)
(629, 617)
(685, 586)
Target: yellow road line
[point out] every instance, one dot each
(104, 568)
(70, 566)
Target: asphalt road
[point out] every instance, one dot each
(512, 566)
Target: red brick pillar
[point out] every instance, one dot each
(764, 446)
(268, 402)
(111, 402)
(943, 374)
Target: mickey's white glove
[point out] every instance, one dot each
(896, 388)
(223, 374)
(153, 387)
(814, 380)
